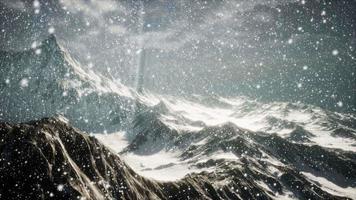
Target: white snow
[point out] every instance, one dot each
(181, 115)
(253, 116)
(51, 30)
(163, 166)
(115, 141)
(60, 187)
(223, 155)
(24, 82)
(36, 4)
(335, 52)
(330, 187)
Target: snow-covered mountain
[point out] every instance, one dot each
(50, 159)
(273, 150)
(201, 147)
(277, 150)
(296, 122)
(46, 80)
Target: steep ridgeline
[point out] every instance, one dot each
(49, 158)
(45, 81)
(239, 163)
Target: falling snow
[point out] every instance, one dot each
(51, 30)
(24, 83)
(214, 99)
(335, 52)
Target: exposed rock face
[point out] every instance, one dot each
(46, 81)
(290, 151)
(251, 165)
(49, 158)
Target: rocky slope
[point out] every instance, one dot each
(49, 158)
(289, 162)
(202, 147)
(46, 80)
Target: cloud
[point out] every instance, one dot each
(117, 30)
(94, 8)
(14, 4)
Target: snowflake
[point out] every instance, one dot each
(340, 104)
(38, 51)
(24, 83)
(51, 30)
(36, 4)
(60, 187)
(290, 41)
(335, 52)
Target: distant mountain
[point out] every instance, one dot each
(277, 150)
(221, 148)
(46, 80)
(50, 159)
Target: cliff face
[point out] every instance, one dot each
(49, 158)
(46, 81)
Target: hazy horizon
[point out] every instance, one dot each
(270, 50)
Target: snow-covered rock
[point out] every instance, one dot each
(49, 158)
(46, 81)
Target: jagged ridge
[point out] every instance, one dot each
(52, 82)
(274, 161)
(49, 158)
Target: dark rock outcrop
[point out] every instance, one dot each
(49, 158)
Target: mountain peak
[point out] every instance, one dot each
(51, 44)
(51, 39)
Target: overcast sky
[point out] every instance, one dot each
(272, 50)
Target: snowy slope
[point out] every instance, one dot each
(221, 148)
(50, 159)
(297, 122)
(287, 144)
(45, 81)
